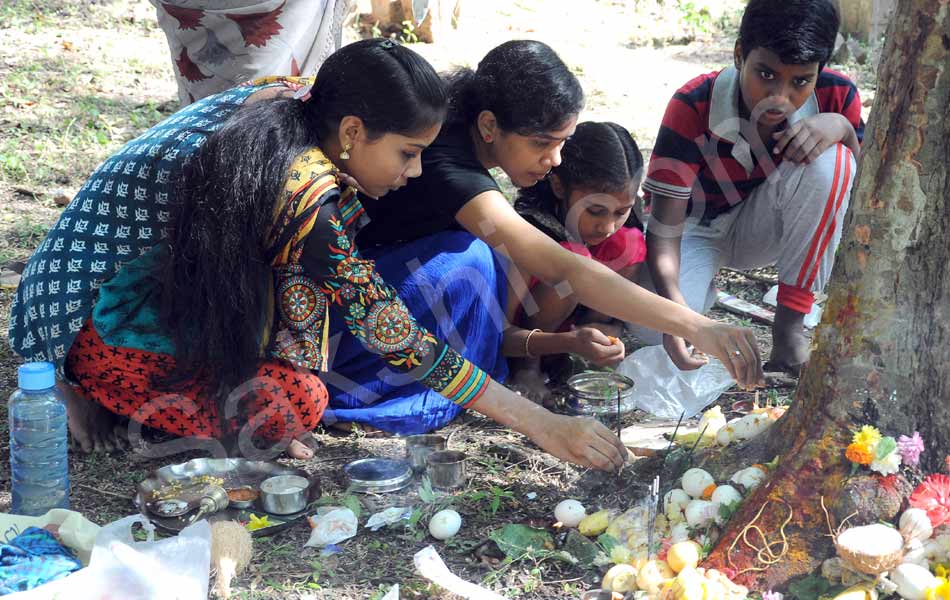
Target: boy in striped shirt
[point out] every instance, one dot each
(753, 166)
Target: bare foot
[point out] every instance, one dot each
(91, 427)
(302, 447)
(789, 344)
(531, 384)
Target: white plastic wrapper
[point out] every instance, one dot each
(332, 528)
(388, 517)
(664, 391)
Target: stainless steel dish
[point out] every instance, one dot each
(378, 475)
(228, 473)
(284, 494)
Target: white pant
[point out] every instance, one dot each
(793, 221)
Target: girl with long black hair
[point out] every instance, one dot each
(216, 246)
(586, 205)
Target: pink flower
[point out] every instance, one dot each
(933, 495)
(910, 448)
(770, 595)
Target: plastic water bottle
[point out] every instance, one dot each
(38, 443)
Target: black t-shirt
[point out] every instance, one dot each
(451, 176)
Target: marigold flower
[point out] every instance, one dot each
(867, 436)
(858, 453)
(938, 592)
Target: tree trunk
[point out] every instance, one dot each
(882, 352)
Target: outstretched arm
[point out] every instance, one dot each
(490, 217)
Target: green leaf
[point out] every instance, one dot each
(885, 447)
(581, 548)
(353, 503)
(425, 491)
(727, 510)
(812, 587)
(607, 542)
(520, 540)
(414, 518)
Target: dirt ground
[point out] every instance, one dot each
(79, 78)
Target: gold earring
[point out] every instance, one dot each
(345, 155)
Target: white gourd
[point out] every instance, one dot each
(915, 525)
(912, 581)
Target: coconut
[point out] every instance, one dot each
(871, 549)
(230, 553)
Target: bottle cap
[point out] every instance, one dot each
(36, 376)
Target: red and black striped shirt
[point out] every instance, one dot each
(699, 154)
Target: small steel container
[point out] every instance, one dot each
(378, 475)
(243, 503)
(418, 447)
(284, 494)
(446, 469)
(594, 393)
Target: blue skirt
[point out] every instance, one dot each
(456, 288)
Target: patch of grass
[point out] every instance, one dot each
(28, 234)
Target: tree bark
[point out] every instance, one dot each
(882, 351)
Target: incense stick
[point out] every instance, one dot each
(675, 431)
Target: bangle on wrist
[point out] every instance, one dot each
(527, 339)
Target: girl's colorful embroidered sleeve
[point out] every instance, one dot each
(375, 314)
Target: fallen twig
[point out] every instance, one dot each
(752, 276)
(105, 492)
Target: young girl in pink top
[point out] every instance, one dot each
(586, 205)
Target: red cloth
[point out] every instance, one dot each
(625, 247)
(281, 401)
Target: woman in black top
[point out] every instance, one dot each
(514, 113)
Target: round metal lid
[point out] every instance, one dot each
(378, 475)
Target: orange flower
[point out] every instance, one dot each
(708, 492)
(858, 453)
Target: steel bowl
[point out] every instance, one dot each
(418, 447)
(446, 469)
(594, 393)
(243, 503)
(284, 494)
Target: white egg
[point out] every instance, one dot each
(726, 494)
(444, 524)
(675, 501)
(695, 482)
(700, 513)
(570, 513)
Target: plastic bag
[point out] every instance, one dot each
(175, 568)
(75, 531)
(390, 516)
(664, 391)
(332, 528)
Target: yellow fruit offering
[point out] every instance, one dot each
(595, 524)
(688, 585)
(682, 555)
(653, 574)
(620, 578)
